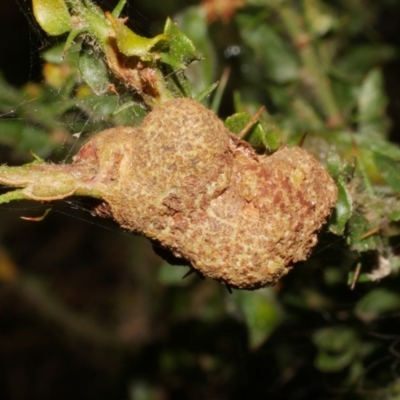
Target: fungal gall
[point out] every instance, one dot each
(186, 182)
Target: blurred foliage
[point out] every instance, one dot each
(90, 312)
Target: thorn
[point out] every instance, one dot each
(36, 157)
(216, 102)
(355, 276)
(111, 88)
(252, 121)
(302, 140)
(370, 233)
(190, 272)
(355, 146)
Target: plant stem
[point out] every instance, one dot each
(40, 181)
(12, 196)
(49, 307)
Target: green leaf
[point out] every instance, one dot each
(257, 136)
(334, 165)
(333, 363)
(319, 17)
(261, 313)
(280, 63)
(307, 116)
(343, 209)
(337, 348)
(206, 92)
(389, 169)
(178, 84)
(371, 104)
(94, 71)
(377, 302)
(343, 142)
(394, 216)
(131, 44)
(236, 122)
(357, 60)
(380, 146)
(52, 16)
(55, 54)
(358, 226)
(193, 21)
(181, 49)
(24, 138)
(108, 109)
(344, 205)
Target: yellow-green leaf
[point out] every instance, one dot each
(131, 44)
(52, 16)
(182, 50)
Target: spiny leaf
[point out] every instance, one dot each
(131, 44)
(181, 50)
(257, 136)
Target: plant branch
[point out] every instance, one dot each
(41, 181)
(76, 324)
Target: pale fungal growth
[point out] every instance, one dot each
(186, 182)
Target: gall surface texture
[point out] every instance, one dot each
(183, 180)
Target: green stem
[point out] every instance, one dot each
(314, 68)
(118, 8)
(40, 181)
(12, 196)
(220, 90)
